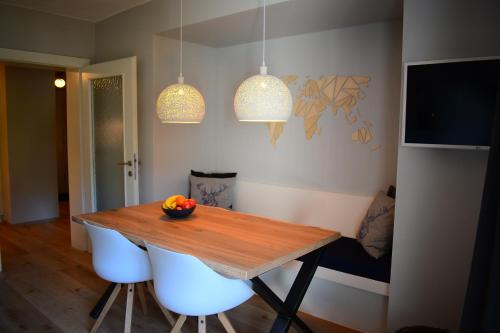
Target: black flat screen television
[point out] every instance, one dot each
(450, 104)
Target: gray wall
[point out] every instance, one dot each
(29, 30)
(132, 33)
(4, 174)
(31, 144)
(126, 34)
(439, 191)
(330, 161)
(180, 148)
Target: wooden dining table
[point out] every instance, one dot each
(234, 244)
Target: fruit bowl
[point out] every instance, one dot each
(178, 207)
(178, 214)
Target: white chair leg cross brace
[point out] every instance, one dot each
(117, 260)
(187, 286)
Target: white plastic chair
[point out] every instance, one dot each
(118, 260)
(187, 286)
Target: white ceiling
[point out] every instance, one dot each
(88, 10)
(289, 18)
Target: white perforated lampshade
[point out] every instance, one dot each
(180, 103)
(263, 98)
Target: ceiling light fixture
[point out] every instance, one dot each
(59, 82)
(180, 102)
(263, 97)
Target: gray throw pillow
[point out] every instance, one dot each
(377, 228)
(217, 192)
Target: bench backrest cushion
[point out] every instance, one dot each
(329, 210)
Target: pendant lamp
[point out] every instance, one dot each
(263, 97)
(180, 102)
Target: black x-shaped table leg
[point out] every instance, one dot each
(96, 311)
(287, 310)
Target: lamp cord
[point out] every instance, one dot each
(264, 37)
(180, 74)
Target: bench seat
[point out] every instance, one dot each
(348, 256)
(349, 286)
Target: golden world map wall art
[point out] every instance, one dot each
(334, 92)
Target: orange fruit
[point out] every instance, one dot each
(180, 200)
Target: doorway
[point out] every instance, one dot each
(62, 143)
(34, 143)
(80, 136)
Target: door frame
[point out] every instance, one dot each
(76, 168)
(44, 59)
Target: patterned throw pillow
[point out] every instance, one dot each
(217, 192)
(214, 174)
(211, 175)
(377, 228)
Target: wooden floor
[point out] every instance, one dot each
(46, 286)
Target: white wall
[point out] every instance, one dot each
(439, 191)
(330, 161)
(31, 144)
(30, 30)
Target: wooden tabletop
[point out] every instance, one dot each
(234, 244)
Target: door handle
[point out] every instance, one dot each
(129, 163)
(136, 166)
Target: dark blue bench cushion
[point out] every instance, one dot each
(348, 256)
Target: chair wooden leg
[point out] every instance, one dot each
(106, 308)
(166, 313)
(142, 298)
(202, 324)
(130, 306)
(226, 323)
(178, 325)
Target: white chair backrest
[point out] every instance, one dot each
(187, 286)
(117, 259)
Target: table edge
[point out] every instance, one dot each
(230, 271)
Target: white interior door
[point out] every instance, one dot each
(109, 140)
